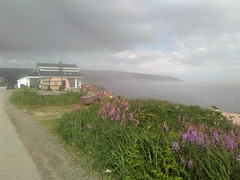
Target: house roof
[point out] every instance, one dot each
(56, 65)
(58, 70)
(33, 74)
(60, 74)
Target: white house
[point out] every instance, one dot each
(53, 76)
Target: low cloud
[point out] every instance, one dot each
(180, 38)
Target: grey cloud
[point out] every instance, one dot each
(75, 26)
(91, 33)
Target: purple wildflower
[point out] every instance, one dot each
(175, 147)
(112, 112)
(232, 134)
(183, 119)
(239, 158)
(179, 118)
(231, 144)
(190, 164)
(89, 126)
(131, 117)
(200, 139)
(185, 137)
(215, 139)
(123, 117)
(78, 107)
(117, 118)
(104, 111)
(108, 105)
(183, 162)
(193, 136)
(180, 133)
(138, 122)
(139, 110)
(191, 128)
(165, 126)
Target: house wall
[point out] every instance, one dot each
(34, 83)
(71, 82)
(55, 83)
(23, 81)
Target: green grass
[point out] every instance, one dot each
(145, 151)
(29, 97)
(133, 139)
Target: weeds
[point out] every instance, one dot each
(149, 139)
(26, 97)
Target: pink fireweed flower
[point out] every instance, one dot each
(201, 138)
(175, 147)
(183, 162)
(190, 164)
(184, 119)
(112, 112)
(139, 110)
(89, 126)
(131, 117)
(123, 117)
(239, 158)
(118, 111)
(179, 118)
(78, 107)
(180, 133)
(185, 137)
(215, 139)
(230, 142)
(232, 134)
(117, 117)
(138, 122)
(165, 126)
(108, 105)
(103, 110)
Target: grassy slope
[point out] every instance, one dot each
(145, 151)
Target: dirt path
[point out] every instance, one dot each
(29, 151)
(14, 158)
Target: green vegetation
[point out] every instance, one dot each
(29, 97)
(149, 139)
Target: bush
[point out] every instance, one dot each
(149, 139)
(25, 97)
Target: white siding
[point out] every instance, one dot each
(22, 81)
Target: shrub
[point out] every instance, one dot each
(30, 97)
(149, 139)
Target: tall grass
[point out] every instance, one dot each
(149, 139)
(26, 97)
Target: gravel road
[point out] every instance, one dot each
(29, 151)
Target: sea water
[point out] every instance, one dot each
(224, 95)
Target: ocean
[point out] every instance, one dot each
(226, 96)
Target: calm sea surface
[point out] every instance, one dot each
(226, 96)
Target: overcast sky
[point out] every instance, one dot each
(188, 39)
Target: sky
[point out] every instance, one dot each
(189, 39)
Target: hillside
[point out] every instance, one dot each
(92, 76)
(13, 74)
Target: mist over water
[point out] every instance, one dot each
(226, 96)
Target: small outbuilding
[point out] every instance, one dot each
(48, 76)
